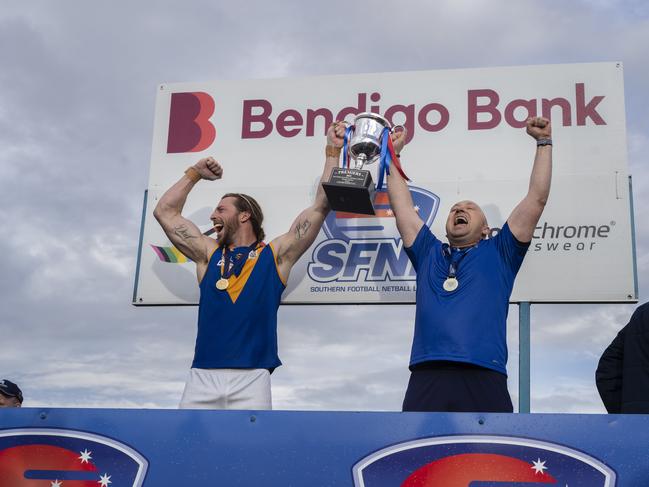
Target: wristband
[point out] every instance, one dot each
(332, 151)
(543, 142)
(192, 174)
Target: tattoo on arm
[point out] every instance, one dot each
(183, 232)
(301, 229)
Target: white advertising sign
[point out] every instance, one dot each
(466, 141)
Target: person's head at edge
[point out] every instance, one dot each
(10, 394)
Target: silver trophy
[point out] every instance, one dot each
(351, 189)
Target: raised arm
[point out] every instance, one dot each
(183, 233)
(408, 221)
(304, 229)
(526, 215)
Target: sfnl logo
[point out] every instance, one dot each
(368, 247)
(485, 461)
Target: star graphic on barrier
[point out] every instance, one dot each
(388, 212)
(538, 466)
(56, 483)
(85, 456)
(104, 480)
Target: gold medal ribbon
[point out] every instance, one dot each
(233, 267)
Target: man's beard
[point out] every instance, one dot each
(226, 235)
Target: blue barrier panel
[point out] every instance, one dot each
(159, 448)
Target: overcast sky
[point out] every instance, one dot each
(77, 91)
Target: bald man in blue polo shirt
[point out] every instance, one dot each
(459, 351)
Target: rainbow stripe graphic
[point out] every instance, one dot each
(172, 254)
(169, 254)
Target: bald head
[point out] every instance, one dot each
(466, 224)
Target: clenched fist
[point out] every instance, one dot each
(209, 169)
(539, 128)
(399, 140)
(336, 134)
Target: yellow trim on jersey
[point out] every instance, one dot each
(208, 263)
(212, 253)
(281, 278)
(237, 283)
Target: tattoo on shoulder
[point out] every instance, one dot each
(184, 232)
(301, 229)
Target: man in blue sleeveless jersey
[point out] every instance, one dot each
(241, 280)
(459, 351)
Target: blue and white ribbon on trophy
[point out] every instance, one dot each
(387, 155)
(385, 159)
(348, 133)
(388, 158)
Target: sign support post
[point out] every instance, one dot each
(524, 357)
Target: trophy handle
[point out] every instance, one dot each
(394, 129)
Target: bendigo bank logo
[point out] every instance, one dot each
(58, 458)
(368, 247)
(472, 461)
(190, 129)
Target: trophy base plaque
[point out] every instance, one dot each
(351, 191)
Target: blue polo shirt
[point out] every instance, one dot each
(470, 323)
(237, 327)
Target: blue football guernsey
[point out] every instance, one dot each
(468, 324)
(237, 327)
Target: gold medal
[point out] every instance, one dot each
(222, 284)
(252, 254)
(450, 284)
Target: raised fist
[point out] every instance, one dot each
(336, 134)
(539, 128)
(399, 139)
(209, 169)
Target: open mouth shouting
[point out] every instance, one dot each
(217, 227)
(461, 220)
